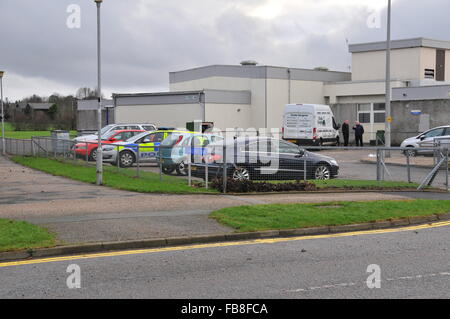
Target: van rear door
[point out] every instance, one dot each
(298, 125)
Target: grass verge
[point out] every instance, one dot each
(124, 179)
(15, 235)
(290, 216)
(26, 135)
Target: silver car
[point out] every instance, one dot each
(113, 127)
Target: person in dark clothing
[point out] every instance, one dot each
(359, 132)
(345, 132)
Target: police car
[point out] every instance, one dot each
(144, 146)
(181, 148)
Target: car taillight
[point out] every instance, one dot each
(314, 133)
(282, 131)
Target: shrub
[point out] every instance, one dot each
(245, 186)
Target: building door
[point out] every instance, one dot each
(440, 65)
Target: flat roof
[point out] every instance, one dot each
(257, 72)
(184, 97)
(399, 44)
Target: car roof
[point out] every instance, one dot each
(120, 131)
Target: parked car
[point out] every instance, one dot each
(264, 158)
(144, 145)
(113, 127)
(177, 150)
(426, 139)
(90, 147)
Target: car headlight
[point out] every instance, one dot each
(108, 149)
(334, 162)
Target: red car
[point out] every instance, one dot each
(109, 138)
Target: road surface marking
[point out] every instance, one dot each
(221, 244)
(349, 284)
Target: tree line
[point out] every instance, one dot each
(59, 114)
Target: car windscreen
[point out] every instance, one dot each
(108, 135)
(106, 129)
(136, 137)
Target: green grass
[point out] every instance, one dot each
(124, 179)
(15, 235)
(362, 184)
(25, 135)
(357, 184)
(289, 216)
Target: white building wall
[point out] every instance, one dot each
(175, 115)
(369, 66)
(228, 116)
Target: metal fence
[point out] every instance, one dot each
(246, 159)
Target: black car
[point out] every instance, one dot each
(263, 158)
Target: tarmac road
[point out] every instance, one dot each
(413, 264)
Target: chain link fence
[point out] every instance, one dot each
(260, 158)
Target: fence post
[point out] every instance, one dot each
(224, 169)
(206, 174)
(87, 153)
(304, 168)
(33, 150)
(446, 168)
(408, 166)
(117, 159)
(138, 161)
(160, 164)
(378, 164)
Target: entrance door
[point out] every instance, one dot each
(440, 65)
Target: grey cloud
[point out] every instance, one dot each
(139, 51)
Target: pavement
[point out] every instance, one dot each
(82, 213)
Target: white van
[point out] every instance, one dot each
(310, 124)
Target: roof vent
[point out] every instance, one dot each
(249, 62)
(321, 68)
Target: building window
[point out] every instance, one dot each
(372, 113)
(364, 111)
(379, 117)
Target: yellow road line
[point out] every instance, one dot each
(222, 244)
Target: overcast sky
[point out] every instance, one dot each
(143, 40)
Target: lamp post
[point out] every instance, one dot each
(387, 136)
(3, 113)
(99, 159)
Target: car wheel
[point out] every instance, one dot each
(167, 169)
(411, 152)
(93, 155)
(240, 174)
(126, 159)
(322, 172)
(182, 169)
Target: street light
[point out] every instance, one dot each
(3, 113)
(387, 136)
(99, 159)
